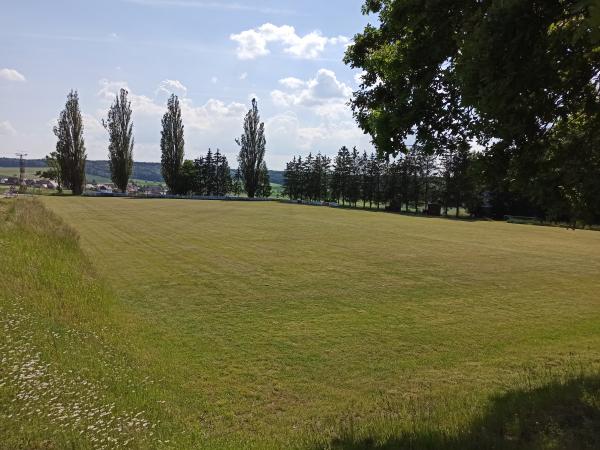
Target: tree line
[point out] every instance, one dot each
(209, 175)
(408, 183)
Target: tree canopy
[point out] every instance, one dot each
(120, 133)
(70, 152)
(252, 145)
(509, 75)
(172, 144)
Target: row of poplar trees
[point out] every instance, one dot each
(409, 182)
(209, 175)
(66, 164)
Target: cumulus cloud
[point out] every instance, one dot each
(197, 117)
(207, 124)
(6, 129)
(92, 124)
(292, 83)
(141, 104)
(358, 77)
(12, 75)
(254, 43)
(214, 113)
(324, 93)
(172, 87)
(287, 131)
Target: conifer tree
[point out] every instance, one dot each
(237, 187)
(120, 135)
(200, 186)
(289, 179)
(187, 178)
(70, 146)
(353, 192)
(209, 174)
(341, 175)
(222, 175)
(172, 144)
(323, 166)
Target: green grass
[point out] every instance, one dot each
(267, 325)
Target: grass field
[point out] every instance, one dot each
(262, 325)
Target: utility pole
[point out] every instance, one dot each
(21, 171)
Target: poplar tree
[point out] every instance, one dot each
(70, 146)
(172, 144)
(252, 150)
(120, 134)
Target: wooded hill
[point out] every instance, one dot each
(146, 171)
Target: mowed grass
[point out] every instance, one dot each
(272, 326)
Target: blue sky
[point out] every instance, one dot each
(216, 55)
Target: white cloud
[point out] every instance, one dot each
(172, 87)
(213, 114)
(292, 83)
(198, 117)
(340, 40)
(325, 94)
(209, 124)
(287, 132)
(358, 78)
(109, 89)
(6, 129)
(140, 104)
(254, 43)
(12, 75)
(214, 80)
(92, 125)
(244, 76)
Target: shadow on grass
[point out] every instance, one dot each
(555, 416)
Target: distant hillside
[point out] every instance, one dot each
(141, 170)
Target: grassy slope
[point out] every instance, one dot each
(64, 383)
(279, 325)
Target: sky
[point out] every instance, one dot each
(216, 55)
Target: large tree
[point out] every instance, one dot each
(53, 170)
(120, 135)
(252, 150)
(70, 147)
(505, 73)
(222, 175)
(172, 144)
